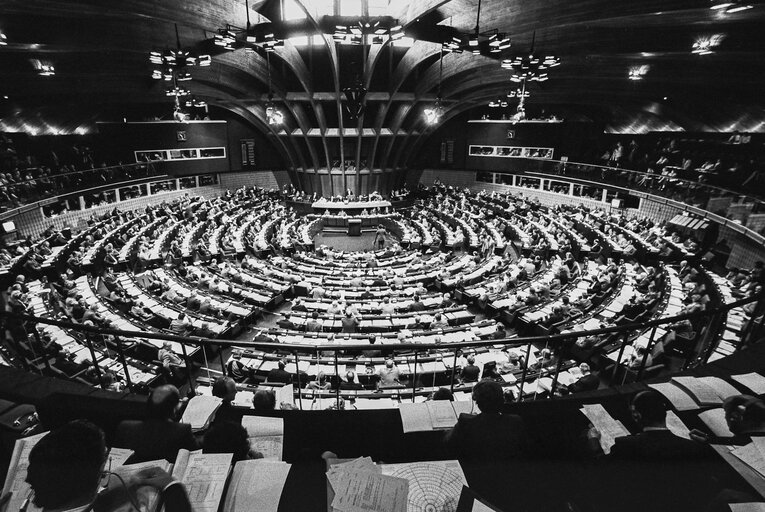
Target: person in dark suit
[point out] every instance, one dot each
(279, 374)
(225, 389)
(350, 384)
(159, 436)
(66, 468)
(490, 435)
(470, 372)
(655, 442)
(587, 382)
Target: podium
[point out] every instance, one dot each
(354, 227)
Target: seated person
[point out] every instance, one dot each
(470, 371)
(320, 384)
(66, 468)
(468, 438)
(159, 436)
(389, 375)
(655, 442)
(350, 384)
(229, 437)
(279, 374)
(587, 382)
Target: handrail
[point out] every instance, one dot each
(392, 346)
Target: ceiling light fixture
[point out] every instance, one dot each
(531, 68)
(725, 7)
(638, 72)
(434, 114)
(706, 45)
(274, 116)
(3, 39)
(490, 41)
(172, 63)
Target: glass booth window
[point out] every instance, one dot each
(132, 192)
(162, 186)
(188, 182)
(208, 179)
(61, 206)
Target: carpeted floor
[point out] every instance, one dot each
(343, 242)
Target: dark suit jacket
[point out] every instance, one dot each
(655, 445)
(154, 439)
(487, 437)
(587, 383)
(470, 373)
(277, 375)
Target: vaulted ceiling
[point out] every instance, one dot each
(100, 53)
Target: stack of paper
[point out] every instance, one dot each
(266, 435)
(204, 476)
(608, 427)
(753, 454)
(701, 392)
(256, 485)
(200, 410)
(16, 478)
(680, 399)
(360, 486)
(432, 415)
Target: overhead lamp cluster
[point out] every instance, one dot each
(232, 38)
(475, 43)
(726, 7)
(374, 32)
(43, 68)
(638, 72)
(706, 45)
(172, 65)
(530, 68)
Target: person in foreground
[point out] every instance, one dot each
(159, 436)
(468, 438)
(66, 473)
(655, 442)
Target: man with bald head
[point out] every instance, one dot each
(159, 436)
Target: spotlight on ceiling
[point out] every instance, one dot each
(638, 72)
(3, 39)
(706, 45)
(725, 7)
(44, 68)
(434, 114)
(274, 115)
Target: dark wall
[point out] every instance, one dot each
(118, 141)
(267, 157)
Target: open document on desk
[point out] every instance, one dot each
(204, 476)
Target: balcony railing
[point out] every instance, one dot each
(418, 353)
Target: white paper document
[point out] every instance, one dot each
(415, 417)
(442, 414)
(608, 427)
(15, 479)
(701, 392)
(680, 400)
(753, 381)
(266, 435)
(434, 485)
(200, 410)
(256, 485)
(118, 456)
(714, 419)
(204, 476)
(676, 425)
